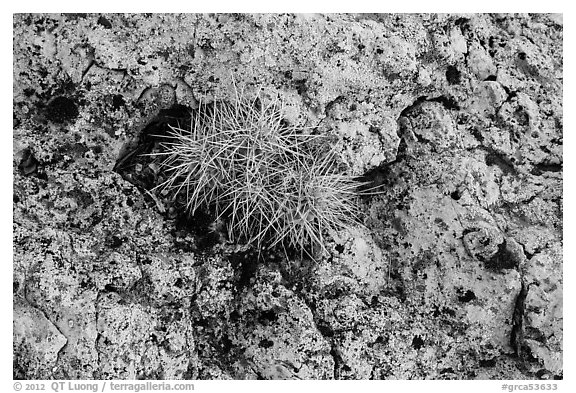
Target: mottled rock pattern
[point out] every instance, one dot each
(458, 273)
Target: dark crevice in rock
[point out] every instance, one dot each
(382, 174)
(494, 158)
(488, 362)
(141, 170)
(541, 168)
(337, 359)
(410, 108)
(245, 263)
(87, 69)
(329, 106)
(517, 334)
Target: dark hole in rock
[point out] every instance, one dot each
(301, 86)
(497, 159)
(381, 340)
(198, 224)
(234, 316)
(110, 288)
(503, 259)
(115, 241)
(41, 174)
(462, 22)
(28, 92)
(439, 311)
(226, 344)
(268, 316)
(455, 195)
(154, 338)
(141, 170)
(453, 76)
(103, 21)
(417, 342)
(522, 56)
(118, 101)
(488, 362)
(325, 329)
(245, 263)
(380, 176)
(61, 109)
(266, 343)
(339, 248)
(467, 296)
(490, 78)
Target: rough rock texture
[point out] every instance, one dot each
(457, 275)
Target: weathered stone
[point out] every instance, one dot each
(456, 275)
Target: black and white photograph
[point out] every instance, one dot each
(287, 196)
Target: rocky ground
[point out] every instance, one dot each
(456, 275)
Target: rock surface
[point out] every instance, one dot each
(457, 275)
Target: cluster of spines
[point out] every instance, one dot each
(262, 176)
